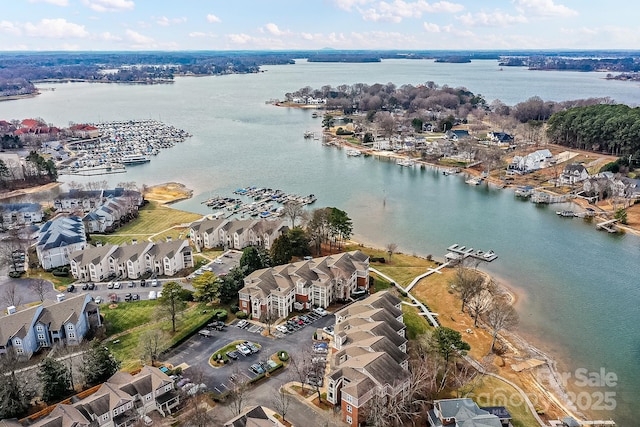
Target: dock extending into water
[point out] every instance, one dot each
(457, 252)
(609, 226)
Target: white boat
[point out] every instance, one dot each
(474, 181)
(353, 153)
(405, 162)
(134, 159)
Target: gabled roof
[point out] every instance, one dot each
(20, 207)
(61, 231)
(575, 167)
(56, 314)
(92, 254)
(466, 413)
(17, 324)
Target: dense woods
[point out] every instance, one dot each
(612, 129)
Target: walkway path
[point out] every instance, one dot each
(434, 322)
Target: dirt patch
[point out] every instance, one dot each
(169, 192)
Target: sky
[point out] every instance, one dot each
(99, 25)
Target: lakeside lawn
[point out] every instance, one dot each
(154, 221)
(128, 322)
(493, 392)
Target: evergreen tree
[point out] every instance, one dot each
(281, 252)
(56, 381)
(15, 392)
(251, 260)
(99, 364)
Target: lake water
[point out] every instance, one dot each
(581, 286)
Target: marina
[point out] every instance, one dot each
(110, 147)
(266, 203)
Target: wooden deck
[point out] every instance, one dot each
(457, 252)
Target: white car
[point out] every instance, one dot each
(282, 329)
(218, 261)
(116, 285)
(152, 295)
(98, 300)
(242, 323)
(320, 311)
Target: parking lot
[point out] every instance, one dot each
(196, 351)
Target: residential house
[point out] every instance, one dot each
(371, 361)
(96, 263)
(108, 217)
(256, 416)
(89, 200)
(303, 284)
(120, 402)
(532, 162)
(19, 214)
(65, 321)
(58, 239)
(236, 233)
(461, 413)
(572, 174)
(457, 134)
(500, 138)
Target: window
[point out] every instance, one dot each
(18, 342)
(349, 419)
(41, 337)
(71, 335)
(105, 416)
(19, 350)
(40, 328)
(70, 326)
(168, 387)
(349, 409)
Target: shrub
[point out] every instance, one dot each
(15, 274)
(221, 315)
(234, 309)
(283, 355)
(342, 131)
(242, 315)
(60, 273)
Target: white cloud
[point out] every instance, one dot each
(494, 19)
(107, 36)
(398, 10)
(9, 28)
(54, 2)
(239, 38)
(109, 5)
(544, 8)
(197, 34)
(138, 38)
(349, 4)
(55, 28)
(165, 22)
(431, 28)
(273, 29)
(213, 18)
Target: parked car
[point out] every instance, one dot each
(98, 300)
(154, 282)
(217, 261)
(257, 368)
(85, 286)
(242, 323)
(153, 295)
(71, 288)
(110, 285)
(127, 297)
(328, 330)
(92, 286)
(143, 283)
(232, 355)
(135, 297)
(320, 311)
(320, 350)
(116, 285)
(205, 333)
(197, 389)
(243, 349)
(131, 284)
(282, 328)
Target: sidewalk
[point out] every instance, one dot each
(329, 417)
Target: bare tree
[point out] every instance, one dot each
(269, 317)
(281, 401)
(237, 392)
(467, 282)
(479, 304)
(151, 344)
(293, 211)
(197, 412)
(299, 363)
(501, 316)
(40, 287)
(11, 295)
(391, 249)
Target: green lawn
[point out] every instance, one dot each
(129, 321)
(153, 218)
(493, 392)
(416, 324)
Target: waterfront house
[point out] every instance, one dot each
(316, 282)
(531, 162)
(131, 261)
(461, 413)
(19, 214)
(59, 238)
(371, 360)
(124, 400)
(235, 233)
(64, 320)
(89, 200)
(573, 174)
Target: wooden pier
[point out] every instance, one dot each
(609, 226)
(457, 252)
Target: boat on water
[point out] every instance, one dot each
(309, 134)
(315, 115)
(474, 181)
(566, 214)
(405, 162)
(353, 153)
(134, 159)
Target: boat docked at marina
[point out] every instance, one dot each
(566, 214)
(134, 159)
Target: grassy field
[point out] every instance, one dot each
(416, 324)
(129, 321)
(153, 220)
